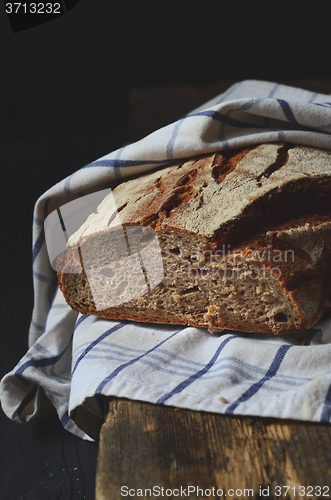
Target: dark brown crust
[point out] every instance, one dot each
(305, 196)
(224, 163)
(301, 197)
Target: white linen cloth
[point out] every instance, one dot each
(75, 359)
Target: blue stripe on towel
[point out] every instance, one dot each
(80, 320)
(272, 371)
(39, 243)
(42, 277)
(287, 111)
(42, 362)
(170, 145)
(28, 398)
(116, 163)
(41, 238)
(95, 342)
(326, 411)
(65, 419)
(233, 122)
(180, 387)
(129, 363)
(323, 104)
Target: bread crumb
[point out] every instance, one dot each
(223, 400)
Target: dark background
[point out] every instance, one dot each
(64, 102)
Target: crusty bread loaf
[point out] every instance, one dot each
(235, 240)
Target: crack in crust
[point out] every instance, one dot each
(224, 163)
(281, 160)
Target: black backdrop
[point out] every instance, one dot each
(73, 73)
(64, 89)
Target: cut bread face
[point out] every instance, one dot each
(271, 284)
(238, 240)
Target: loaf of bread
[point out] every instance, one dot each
(237, 240)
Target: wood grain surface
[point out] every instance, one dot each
(144, 445)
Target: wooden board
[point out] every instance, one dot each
(144, 445)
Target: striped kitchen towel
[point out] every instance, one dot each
(75, 360)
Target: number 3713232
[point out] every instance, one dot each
(33, 8)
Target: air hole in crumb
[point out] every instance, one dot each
(106, 271)
(75, 289)
(83, 282)
(190, 290)
(175, 251)
(281, 317)
(122, 286)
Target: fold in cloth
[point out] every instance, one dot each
(76, 360)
